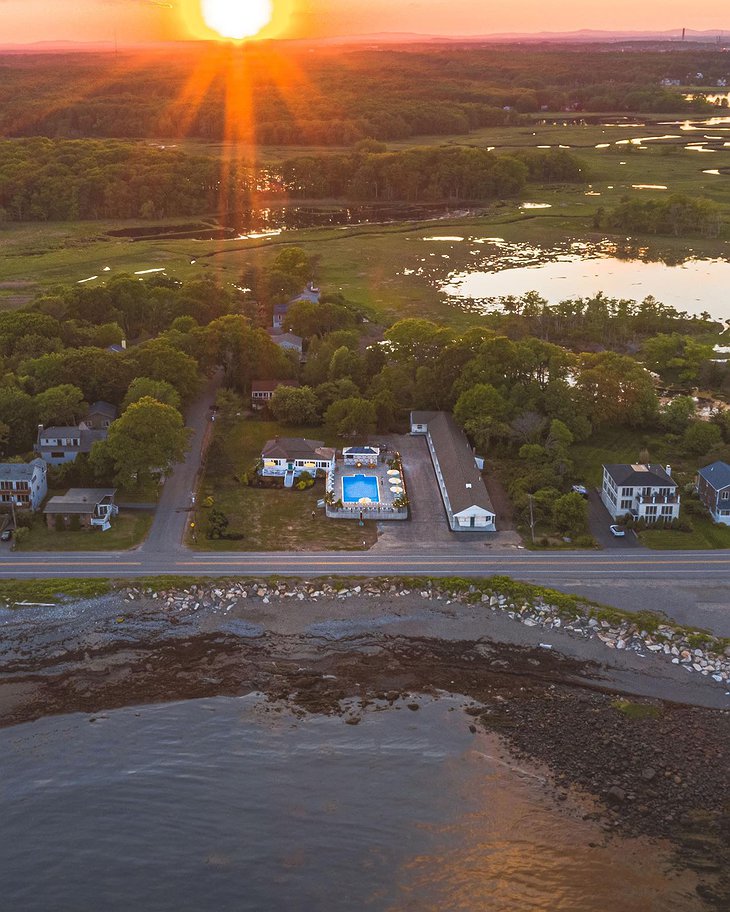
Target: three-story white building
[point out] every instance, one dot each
(645, 492)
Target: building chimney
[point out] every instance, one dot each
(668, 470)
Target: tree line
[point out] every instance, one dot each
(334, 97)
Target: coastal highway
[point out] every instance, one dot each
(691, 587)
(552, 567)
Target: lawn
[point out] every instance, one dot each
(128, 530)
(273, 519)
(705, 536)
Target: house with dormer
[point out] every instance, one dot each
(641, 491)
(58, 445)
(713, 489)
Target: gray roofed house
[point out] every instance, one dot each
(650, 474)
(100, 415)
(94, 507)
(290, 456)
(465, 496)
(713, 489)
(57, 445)
(646, 492)
(23, 484)
(286, 340)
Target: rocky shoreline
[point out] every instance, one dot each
(547, 674)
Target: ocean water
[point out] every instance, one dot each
(237, 804)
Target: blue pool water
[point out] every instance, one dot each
(356, 486)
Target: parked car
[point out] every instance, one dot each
(580, 489)
(617, 531)
(6, 535)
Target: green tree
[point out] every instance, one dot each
(481, 411)
(616, 390)
(570, 513)
(353, 417)
(160, 390)
(148, 438)
(701, 437)
(295, 405)
(218, 524)
(62, 404)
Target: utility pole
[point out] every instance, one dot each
(532, 520)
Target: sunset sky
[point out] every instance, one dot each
(153, 20)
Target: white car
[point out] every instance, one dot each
(617, 531)
(580, 489)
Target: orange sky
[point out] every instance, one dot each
(144, 20)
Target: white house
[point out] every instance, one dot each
(263, 390)
(23, 484)
(361, 456)
(645, 492)
(290, 456)
(465, 497)
(713, 489)
(57, 445)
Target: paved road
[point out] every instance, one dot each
(171, 516)
(667, 565)
(689, 586)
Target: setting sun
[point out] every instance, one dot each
(236, 19)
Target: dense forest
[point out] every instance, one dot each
(66, 180)
(324, 96)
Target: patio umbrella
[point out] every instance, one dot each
(396, 489)
(393, 472)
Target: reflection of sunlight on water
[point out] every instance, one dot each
(546, 864)
(582, 269)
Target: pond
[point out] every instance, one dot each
(500, 268)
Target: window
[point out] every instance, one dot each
(666, 511)
(57, 454)
(6, 486)
(626, 504)
(725, 495)
(651, 512)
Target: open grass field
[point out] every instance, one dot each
(128, 530)
(270, 519)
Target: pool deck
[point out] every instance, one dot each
(382, 509)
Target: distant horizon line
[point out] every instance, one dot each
(675, 35)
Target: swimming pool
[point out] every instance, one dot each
(355, 487)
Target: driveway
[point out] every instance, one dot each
(173, 510)
(599, 520)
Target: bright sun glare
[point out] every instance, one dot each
(236, 19)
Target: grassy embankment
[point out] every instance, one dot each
(270, 519)
(128, 530)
